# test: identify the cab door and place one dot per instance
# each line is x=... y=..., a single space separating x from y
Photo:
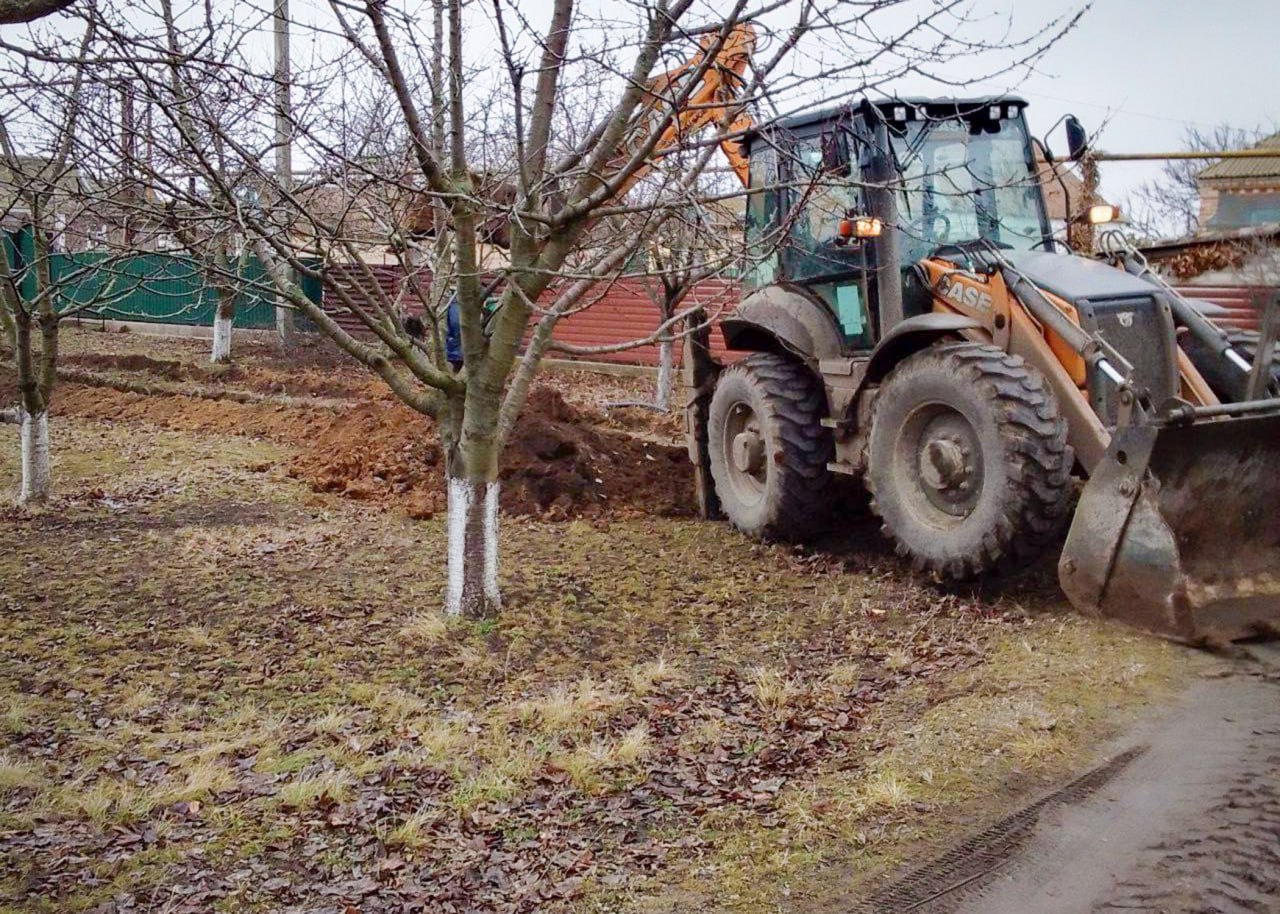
x=819 y=192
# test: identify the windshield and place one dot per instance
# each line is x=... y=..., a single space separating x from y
x=961 y=183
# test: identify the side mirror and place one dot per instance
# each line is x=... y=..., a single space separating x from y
x=1077 y=139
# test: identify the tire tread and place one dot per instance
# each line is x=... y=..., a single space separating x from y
x=1037 y=503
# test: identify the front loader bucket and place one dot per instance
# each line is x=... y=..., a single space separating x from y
x=1178 y=531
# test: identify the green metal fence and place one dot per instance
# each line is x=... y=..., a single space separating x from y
x=154 y=287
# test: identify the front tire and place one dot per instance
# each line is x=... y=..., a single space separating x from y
x=968 y=462
x=768 y=448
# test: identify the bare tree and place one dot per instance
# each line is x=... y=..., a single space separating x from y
x=1169 y=206
x=33 y=186
x=689 y=248
x=496 y=159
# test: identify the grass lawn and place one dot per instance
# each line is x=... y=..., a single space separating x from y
x=221 y=690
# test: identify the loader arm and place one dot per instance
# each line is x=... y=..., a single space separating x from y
x=674 y=109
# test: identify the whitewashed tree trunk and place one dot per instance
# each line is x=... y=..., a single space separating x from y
x=35 y=459
x=472 y=589
x=662 y=399
x=221 y=338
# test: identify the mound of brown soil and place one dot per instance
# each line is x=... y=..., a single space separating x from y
x=554 y=465
x=557 y=464
x=171 y=370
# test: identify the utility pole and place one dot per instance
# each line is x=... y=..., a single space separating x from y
x=284 y=142
x=129 y=149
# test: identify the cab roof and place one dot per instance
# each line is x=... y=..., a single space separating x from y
x=933 y=107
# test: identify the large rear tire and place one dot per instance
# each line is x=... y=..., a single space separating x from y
x=768 y=448
x=968 y=462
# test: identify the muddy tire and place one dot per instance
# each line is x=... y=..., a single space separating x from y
x=968 y=462
x=768 y=449
x=1226 y=381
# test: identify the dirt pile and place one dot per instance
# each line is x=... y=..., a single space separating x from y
x=555 y=464
x=298 y=378
x=562 y=461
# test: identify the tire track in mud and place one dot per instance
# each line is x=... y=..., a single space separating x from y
x=984 y=853
x=1229 y=864
x=1191 y=825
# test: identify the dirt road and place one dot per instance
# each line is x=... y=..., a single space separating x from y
x=1183 y=817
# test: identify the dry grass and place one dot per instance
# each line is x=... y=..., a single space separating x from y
x=202 y=779
x=886 y=790
x=568 y=708
x=500 y=779
x=845 y=675
x=409 y=833
x=393 y=705
x=587 y=763
x=16 y=715
x=93 y=802
x=143 y=700
x=707 y=733
x=898 y=660
x=197 y=637
x=773 y=689
x=330 y=723
x=16 y=775
x=634 y=746
x=306 y=668
x=1035 y=707
x=646 y=677
x=425 y=629
x=584 y=764
x=308 y=790
x=445 y=740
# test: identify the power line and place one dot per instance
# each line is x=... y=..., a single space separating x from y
x=1118 y=110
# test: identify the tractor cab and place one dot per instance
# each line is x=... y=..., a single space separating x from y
x=845 y=200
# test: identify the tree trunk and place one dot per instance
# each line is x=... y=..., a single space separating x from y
x=662 y=398
x=473 y=548
x=222 y=324
x=35 y=459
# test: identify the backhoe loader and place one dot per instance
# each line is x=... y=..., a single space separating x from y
x=909 y=319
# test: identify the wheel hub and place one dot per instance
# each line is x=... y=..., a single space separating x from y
x=744 y=449
x=748 y=452
x=949 y=463
x=943 y=464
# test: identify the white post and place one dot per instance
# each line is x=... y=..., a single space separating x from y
x=35 y=458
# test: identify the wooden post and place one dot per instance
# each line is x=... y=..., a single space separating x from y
x=700 y=372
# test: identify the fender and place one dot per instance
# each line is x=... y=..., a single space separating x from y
x=912 y=335
x=784 y=319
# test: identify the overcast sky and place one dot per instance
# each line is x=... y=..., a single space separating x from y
x=1150 y=67
x=1144 y=68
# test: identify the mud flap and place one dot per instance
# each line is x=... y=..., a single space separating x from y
x=1178 y=531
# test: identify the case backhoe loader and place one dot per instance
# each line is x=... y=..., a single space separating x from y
x=909 y=320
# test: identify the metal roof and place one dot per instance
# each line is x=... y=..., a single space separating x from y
x=1236 y=169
